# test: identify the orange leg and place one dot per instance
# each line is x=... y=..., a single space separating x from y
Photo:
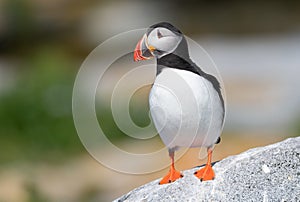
x=206 y=173
x=173 y=174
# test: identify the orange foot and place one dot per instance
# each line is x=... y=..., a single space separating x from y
x=172 y=176
x=206 y=173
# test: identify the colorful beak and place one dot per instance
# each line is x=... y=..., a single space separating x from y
x=142 y=50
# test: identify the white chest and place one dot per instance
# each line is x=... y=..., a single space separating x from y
x=185 y=108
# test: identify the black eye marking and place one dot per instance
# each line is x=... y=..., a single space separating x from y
x=159 y=35
x=158 y=52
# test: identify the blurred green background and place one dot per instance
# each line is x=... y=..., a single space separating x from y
x=43 y=43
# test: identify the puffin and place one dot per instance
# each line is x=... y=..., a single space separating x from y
x=186 y=103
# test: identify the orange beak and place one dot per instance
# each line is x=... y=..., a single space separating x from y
x=142 y=50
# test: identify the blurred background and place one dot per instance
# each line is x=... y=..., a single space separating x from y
x=255 y=45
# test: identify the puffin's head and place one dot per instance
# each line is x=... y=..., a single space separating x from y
x=161 y=39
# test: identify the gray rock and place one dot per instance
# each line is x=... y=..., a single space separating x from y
x=270 y=173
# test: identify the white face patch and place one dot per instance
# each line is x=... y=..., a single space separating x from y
x=164 y=40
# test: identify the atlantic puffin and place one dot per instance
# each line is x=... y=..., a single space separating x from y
x=186 y=103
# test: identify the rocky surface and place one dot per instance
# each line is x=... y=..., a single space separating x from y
x=270 y=173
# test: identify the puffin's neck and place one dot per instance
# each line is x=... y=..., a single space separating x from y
x=179 y=59
x=175 y=61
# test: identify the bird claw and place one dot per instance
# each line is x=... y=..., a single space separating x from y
x=172 y=176
x=206 y=173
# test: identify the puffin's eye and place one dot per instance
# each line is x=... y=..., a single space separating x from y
x=159 y=35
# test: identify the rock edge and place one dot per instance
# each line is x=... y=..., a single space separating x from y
x=270 y=173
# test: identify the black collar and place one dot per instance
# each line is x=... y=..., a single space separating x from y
x=174 y=61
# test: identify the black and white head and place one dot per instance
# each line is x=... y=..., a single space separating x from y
x=160 y=40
